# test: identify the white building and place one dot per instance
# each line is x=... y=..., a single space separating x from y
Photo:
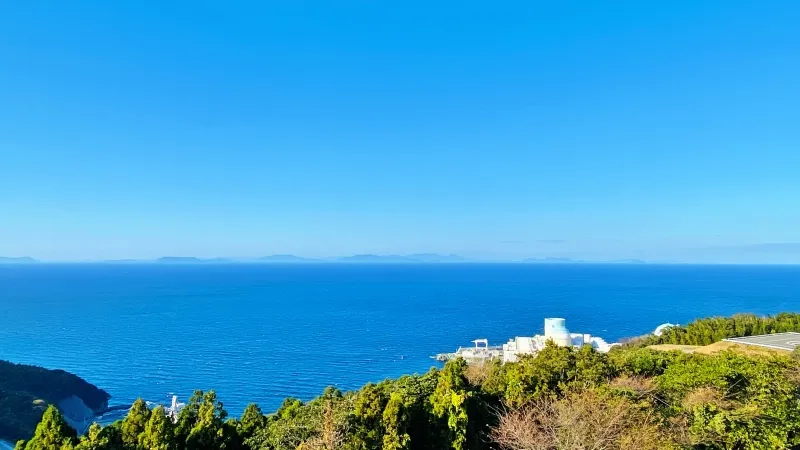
x=555 y=330
x=662 y=328
x=174 y=409
x=480 y=352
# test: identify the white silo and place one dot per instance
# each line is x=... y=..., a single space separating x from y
x=555 y=329
x=662 y=328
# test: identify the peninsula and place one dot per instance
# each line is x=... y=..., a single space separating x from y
x=26 y=391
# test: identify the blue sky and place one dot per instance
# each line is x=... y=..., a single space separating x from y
x=658 y=130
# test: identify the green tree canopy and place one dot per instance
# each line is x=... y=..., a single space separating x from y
x=134 y=424
x=159 y=432
x=562 y=398
x=52 y=433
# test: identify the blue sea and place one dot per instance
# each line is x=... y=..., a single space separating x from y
x=261 y=333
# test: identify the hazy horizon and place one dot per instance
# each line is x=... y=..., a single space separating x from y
x=786 y=253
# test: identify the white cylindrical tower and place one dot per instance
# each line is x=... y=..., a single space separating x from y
x=555 y=329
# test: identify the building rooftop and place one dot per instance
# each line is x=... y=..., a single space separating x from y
x=779 y=341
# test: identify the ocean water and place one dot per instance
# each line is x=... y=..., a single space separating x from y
x=261 y=333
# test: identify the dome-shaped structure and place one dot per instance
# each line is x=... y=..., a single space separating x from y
x=661 y=328
x=555 y=329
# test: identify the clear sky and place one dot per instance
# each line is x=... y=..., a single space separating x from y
x=658 y=130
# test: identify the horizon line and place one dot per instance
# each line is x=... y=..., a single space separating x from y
x=202 y=262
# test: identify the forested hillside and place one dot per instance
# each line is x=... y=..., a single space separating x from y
x=25 y=392
x=631 y=398
x=713 y=329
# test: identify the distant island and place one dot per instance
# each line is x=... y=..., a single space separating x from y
x=26 y=391
x=367 y=258
x=17 y=260
x=289 y=258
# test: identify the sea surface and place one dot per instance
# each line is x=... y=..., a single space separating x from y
x=260 y=333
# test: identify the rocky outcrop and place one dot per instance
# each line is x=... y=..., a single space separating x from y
x=25 y=392
x=76 y=413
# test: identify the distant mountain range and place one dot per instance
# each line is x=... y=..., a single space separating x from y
x=18 y=260
x=286 y=258
x=416 y=258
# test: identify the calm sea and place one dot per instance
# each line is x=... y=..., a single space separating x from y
x=264 y=332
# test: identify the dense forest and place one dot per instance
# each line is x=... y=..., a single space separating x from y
x=26 y=390
x=630 y=398
x=714 y=329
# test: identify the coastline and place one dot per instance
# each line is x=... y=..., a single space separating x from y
x=360 y=323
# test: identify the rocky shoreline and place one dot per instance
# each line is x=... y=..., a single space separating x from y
x=76 y=413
